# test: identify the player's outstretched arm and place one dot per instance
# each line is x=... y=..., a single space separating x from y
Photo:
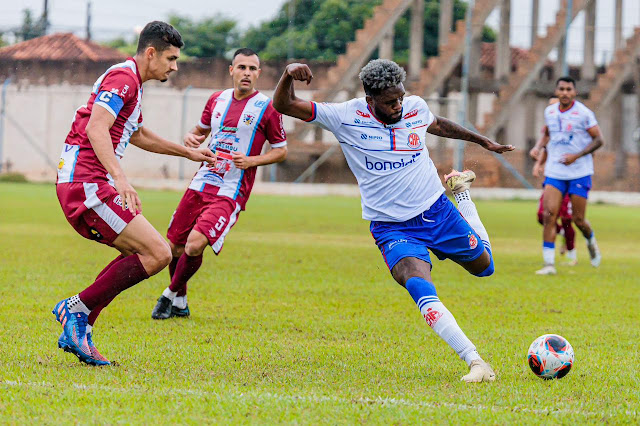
x=448 y=129
x=275 y=155
x=149 y=141
x=284 y=98
x=596 y=143
x=97 y=131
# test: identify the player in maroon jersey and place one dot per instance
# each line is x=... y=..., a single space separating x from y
x=94 y=193
x=240 y=120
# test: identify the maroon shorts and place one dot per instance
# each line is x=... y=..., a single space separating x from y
x=94 y=210
x=565 y=208
x=211 y=215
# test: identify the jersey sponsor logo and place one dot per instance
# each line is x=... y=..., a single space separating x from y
x=282 y=133
x=389 y=165
x=413 y=123
x=413 y=141
x=95 y=234
x=260 y=104
x=125 y=89
x=218 y=114
x=114 y=91
x=117 y=200
x=358 y=121
x=473 y=241
x=363 y=114
x=392 y=244
x=432 y=316
x=365 y=137
x=248 y=119
x=213 y=177
x=61 y=163
x=412 y=113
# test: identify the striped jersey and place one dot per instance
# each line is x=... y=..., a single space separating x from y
x=240 y=126
x=119 y=91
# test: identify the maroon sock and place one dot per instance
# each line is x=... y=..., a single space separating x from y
x=186 y=267
x=106 y=268
x=172 y=267
x=183 y=291
x=123 y=274
x=569 y=233
x=93 y=316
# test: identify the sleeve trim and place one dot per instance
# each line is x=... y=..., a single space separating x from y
x=203 y=126
x=313 y=113
x=279 y=144
x=107 y=107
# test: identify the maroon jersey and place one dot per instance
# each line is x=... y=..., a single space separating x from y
x=119 y=91
x=240 y=126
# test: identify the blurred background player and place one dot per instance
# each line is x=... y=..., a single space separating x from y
x=240 y=120
x=573 y=136
x=383 y=139
x=564 y=226
x=94 y=193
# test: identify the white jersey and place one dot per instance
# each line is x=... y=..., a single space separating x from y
x=391 y=163
x=568 y=135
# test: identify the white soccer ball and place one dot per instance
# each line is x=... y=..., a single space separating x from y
x=550 y=356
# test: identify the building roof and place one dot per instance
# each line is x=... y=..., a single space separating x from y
x=488 y=55
x=60 y=47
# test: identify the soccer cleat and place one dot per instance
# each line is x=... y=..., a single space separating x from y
x=479 y=371
x=547 y=270
x=179 y=312
x=63 y=344
x=594 y=253
x=74 y=327
x=572 y=258
x=459 y=181
x=162 y=309
x=96 y=357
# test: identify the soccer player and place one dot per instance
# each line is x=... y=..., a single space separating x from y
x=240 y=120
x=383 y=139
x=94 y=193
x=573 y=136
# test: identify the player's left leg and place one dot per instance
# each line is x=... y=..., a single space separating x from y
x=460 y=183
x=579 y=193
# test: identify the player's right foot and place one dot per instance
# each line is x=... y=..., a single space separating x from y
x=162 y=309
x=594 y=253
x=479 y=371
x=459 y=181
x=96 y=357
x=572 y=258
x=74 y=327
x=547 y=270
x=179 y=312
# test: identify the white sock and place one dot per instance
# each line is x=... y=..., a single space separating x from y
x=467 y=209
x=76 y=305
x=89 y=328
x=180 y=302
x=549 y=255
x=444 y=324
x=572 y=254
x=592 y=239
x=169 y=294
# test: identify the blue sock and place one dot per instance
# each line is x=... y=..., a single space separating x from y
x=421 y=290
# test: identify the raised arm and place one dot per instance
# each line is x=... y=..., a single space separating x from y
x=596 y=143
x=284 y=98
x=448 y=129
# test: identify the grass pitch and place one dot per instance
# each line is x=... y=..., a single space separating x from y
x=298 y=320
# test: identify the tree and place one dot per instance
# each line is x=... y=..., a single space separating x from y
x=30 y=28
x=120 y=43
x=210 y=37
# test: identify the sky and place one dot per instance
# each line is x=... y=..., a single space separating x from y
x=114 y=18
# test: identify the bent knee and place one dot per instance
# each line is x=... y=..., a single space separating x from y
x=160 y=256
x=488 y=270
x=196 y=244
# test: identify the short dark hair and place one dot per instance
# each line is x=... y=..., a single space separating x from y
x=566 y=79
x=244 y=51
x=159 y=35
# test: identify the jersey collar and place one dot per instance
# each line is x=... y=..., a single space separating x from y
x=137 y=70
x=378 y=120
x=565 y=110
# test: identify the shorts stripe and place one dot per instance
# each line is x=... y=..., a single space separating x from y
x=232 y=219
x=94 y=203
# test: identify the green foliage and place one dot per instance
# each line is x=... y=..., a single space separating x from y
x=299 y=321
x=126 y=47
x=30 y=28
x=207 y=38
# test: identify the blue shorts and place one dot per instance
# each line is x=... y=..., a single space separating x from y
x=579 y=187
x=441 y=229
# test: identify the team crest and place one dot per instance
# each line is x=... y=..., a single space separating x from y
x=248 y=119
x=432 y=316
x=473 y=241
x=61 y=164
x=414 y=141
x=260 y=104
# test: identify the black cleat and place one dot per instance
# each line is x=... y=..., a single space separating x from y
x=162 y=309
x=178 y=312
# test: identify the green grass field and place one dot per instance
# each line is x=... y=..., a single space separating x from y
x=298 y=321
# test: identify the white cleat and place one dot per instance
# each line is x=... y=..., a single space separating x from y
x=459 y=181
x=572 y=258
x=479 y=371
x=594 y=253
x=547 y=270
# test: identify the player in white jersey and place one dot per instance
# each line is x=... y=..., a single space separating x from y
x=383 y=139
x=573 y=136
